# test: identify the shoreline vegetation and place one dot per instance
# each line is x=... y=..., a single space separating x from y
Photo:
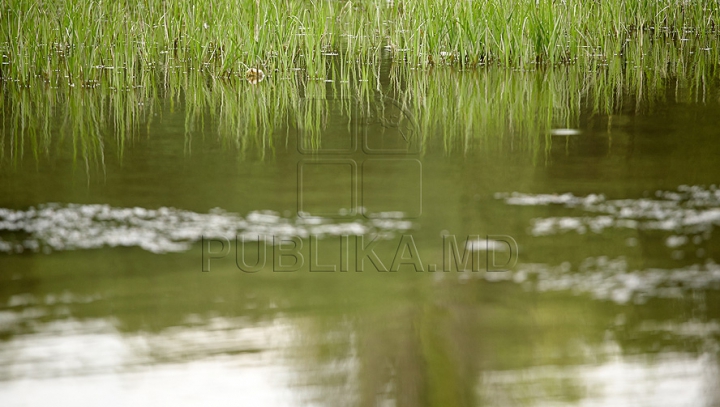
x=459 y=111
x=116 y=44
x=472 y=74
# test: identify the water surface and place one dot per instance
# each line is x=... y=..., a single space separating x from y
x=613 y=299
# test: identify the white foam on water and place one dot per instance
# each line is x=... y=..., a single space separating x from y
x=612 y=280
x=54 y=227
x=689 y=210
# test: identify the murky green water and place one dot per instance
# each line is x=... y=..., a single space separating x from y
x=611 y=297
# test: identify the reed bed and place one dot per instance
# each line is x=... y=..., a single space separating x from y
x=117 y=44
x=492 y=108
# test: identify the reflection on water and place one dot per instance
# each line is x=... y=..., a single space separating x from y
x=671 y=380
x=682 y=220
x=612 y=280
x=259 y=364
x=606 y=179
x=93 y=359
x=687 y=211
x=55 y=227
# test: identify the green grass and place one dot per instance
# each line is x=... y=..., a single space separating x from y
x=491 y=108
x=117 y=44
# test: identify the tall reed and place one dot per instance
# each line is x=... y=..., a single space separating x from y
x=88 y=43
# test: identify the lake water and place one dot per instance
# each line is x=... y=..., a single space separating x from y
x=131 y=223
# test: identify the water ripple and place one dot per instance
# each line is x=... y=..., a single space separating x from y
x=55 y=227
x=689 y=210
